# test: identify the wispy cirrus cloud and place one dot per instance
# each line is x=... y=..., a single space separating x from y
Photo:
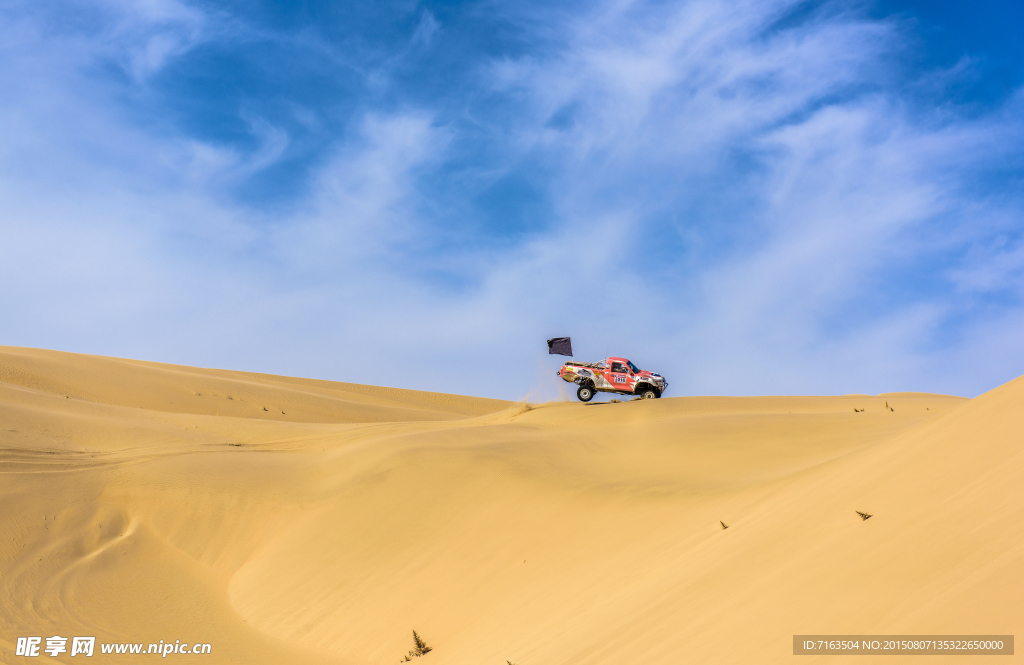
x=755 y=198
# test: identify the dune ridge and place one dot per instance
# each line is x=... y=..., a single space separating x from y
x=141 y=503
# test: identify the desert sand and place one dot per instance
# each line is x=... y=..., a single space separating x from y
x=289 y=520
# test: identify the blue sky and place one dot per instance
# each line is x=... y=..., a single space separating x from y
x=758 y=197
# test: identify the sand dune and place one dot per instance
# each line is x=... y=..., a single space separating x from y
x=288 y=520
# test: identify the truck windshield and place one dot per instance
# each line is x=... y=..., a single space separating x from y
x=633 y=367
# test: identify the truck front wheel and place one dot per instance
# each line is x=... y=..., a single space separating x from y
x=585 y=393
x=647 y=392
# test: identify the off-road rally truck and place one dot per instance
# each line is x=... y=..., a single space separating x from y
x=613 y=375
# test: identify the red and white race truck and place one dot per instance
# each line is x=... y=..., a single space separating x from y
x=613 y=375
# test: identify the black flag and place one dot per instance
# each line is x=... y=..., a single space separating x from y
x=560 y=345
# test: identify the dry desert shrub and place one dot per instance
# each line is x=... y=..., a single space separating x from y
x=421 y=648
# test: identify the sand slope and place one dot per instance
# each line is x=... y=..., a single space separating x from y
x=140 y=503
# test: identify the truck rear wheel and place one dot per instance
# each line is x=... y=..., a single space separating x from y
x=647 y=392
x=585 y=393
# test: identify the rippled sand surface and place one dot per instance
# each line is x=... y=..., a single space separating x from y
x=287 y=520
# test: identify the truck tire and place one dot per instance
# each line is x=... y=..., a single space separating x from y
x=585 y=393
x=648 y=392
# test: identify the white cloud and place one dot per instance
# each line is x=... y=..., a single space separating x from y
x=144 y=36
x=744 y=209
x=851 y=195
